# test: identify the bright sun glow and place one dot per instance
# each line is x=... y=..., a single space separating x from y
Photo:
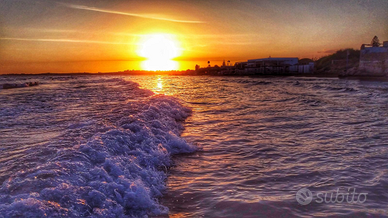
x=159 y=49
x=162 y=64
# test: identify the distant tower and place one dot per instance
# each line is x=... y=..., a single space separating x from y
x=208 y=63
x=375 y=42
x=228 y=62
x=197 y=67
x=223 y=63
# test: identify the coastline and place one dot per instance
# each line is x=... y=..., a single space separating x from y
x=174 y=73
x=352 y=74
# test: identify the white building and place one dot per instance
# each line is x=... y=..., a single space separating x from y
x=374 y=59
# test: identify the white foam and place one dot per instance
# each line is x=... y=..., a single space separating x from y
x=118 y=171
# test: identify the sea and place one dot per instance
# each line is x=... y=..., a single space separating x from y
x=193 y=146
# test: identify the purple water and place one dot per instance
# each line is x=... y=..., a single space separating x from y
x=86 y=146
x=192 y=146
x=264 y=139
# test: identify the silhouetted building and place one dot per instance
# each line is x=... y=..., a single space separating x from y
x=374 y=59
x=275 y=66
x=276 y=61
x=264 y=66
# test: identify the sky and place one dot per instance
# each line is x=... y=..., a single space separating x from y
x=39 y=36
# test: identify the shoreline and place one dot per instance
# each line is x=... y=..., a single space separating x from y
x=175 y=73
x=193 y=73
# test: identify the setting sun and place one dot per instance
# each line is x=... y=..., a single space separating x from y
x=179 y=108
x=159 y=49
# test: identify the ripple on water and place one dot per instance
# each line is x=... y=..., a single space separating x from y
x=264 y=139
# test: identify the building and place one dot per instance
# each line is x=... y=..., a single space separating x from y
x=264 y=66
x=276 y=66
x=276 y=61
x=374 y=60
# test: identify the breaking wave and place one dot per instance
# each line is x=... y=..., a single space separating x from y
x=119 y=170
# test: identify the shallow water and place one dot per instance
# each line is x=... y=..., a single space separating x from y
x=264 y=139
x=261 y=140
x=86 y=146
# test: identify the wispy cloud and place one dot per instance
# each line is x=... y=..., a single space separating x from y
x=154 y=17
x=66 y=40
x=219 y=36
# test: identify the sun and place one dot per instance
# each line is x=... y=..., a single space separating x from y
x=159 y=49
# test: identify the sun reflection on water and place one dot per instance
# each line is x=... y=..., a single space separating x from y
x=159 y=84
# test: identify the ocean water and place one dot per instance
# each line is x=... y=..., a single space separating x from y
x=86 y=146
x=194 y=147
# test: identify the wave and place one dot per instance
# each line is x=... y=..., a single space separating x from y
x=119 y=171
x=254 y=82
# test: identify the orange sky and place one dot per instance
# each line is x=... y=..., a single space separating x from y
x=72 y=36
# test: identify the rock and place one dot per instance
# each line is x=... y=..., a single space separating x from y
x=33 y=83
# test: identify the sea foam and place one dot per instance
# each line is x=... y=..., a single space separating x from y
x=119 y=171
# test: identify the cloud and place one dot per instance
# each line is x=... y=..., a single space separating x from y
x=65 y=40
x=154 y=17
x=219 y=36
x=51 y=30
